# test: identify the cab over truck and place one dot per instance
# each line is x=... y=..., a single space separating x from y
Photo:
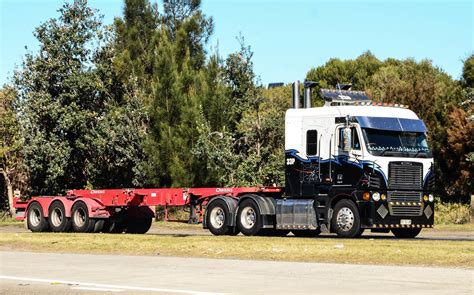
x=350 y=165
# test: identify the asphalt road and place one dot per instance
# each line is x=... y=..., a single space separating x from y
x=49 y=273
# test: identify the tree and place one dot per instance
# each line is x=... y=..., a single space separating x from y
x=11 y=168
x=60 y=101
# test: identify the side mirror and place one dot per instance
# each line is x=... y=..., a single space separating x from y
x=346 y=139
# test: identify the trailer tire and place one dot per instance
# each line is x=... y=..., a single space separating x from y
x=346 y=220
x=217 y=214
x=135 y=225
x=35 y=219
x=113 y=227
x=80 y=220
x=406 y=233
x=58 y=222
x=249 y=220
x=307 y=233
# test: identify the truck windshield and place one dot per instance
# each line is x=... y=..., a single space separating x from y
x=396 y=143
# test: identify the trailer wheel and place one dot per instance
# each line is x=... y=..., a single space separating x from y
x=58 y=222
x=406 y=233
x=113 y=227
x=217 y=214
x=81 y=222
x=306 y=233
x=138 y=225
x=35 y=219
x=346 y=221
x=249 y=219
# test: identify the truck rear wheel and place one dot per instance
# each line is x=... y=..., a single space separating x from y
x=58 y=222
x=81 y=222
x=406 y=233
x=217 y=215
x=35 y=219
x=249 y=220
x=346 y=220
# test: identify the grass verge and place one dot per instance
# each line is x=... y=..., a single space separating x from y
x=366 y=251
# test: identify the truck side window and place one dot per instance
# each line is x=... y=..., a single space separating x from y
x=311 y=142
x=355 y=139
x=355 y=144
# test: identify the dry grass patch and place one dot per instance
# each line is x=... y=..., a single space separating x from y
x=367 y=251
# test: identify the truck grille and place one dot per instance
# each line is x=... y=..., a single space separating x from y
x=405 y=175
x=396 y=196
x=404 y=203
x=405 y=210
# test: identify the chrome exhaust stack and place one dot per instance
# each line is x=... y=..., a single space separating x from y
x=296 y=95
x=307 y=93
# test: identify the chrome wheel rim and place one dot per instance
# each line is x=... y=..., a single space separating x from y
x=217 y=217
x=248 y=217
x=35 y=217
x=80 y=217
x=56 y=217
x=345 y=219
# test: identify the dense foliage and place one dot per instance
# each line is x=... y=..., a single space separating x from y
x=142 y=103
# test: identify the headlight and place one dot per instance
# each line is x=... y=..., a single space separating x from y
x=431 y=197
x=375 y=196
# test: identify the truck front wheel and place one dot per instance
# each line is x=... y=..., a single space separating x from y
x=406 y=233
x=249 y=220
x=346 y=220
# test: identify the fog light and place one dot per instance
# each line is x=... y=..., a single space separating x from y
x=366 y=196
x=425 y=198
x=383 y=197
x=430 y=198
x=376 y=196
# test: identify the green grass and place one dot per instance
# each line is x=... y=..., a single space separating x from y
x=362 y=251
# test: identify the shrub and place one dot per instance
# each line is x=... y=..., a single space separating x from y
x=452 y=213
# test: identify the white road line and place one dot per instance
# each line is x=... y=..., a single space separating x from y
x=108 y=286
x=97 y=289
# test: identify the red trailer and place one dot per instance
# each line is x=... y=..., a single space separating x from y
x=130 y=210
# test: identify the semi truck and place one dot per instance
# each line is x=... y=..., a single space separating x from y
x=350 y=165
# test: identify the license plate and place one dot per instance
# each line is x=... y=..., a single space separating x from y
x=405 y=221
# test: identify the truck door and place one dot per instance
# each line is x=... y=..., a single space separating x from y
x=347 y=169
x=310 y=176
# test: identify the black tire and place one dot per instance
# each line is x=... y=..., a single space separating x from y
x=406 y=233
x=35 y=219
x=138 y=225
x=217 y=218
x=113 y=227
x=99 y=225
x=307 y=233
x=348 y=225
x=58 y=222
x=80 y=220
x=249 y=220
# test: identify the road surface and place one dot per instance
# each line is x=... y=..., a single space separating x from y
x=49 y=273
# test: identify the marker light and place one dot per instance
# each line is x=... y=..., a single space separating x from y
x=383 y=197
x=376 y=196
x=431 y=197
x=425 y=198
x=366 y=196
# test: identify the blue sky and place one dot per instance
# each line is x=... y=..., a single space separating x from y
x=290 y=37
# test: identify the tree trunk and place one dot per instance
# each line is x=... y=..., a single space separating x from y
x=8 y=184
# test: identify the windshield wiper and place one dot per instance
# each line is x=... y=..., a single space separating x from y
x=385 y=150
x=421 y=152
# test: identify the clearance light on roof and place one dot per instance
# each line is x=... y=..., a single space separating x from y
x=383 y=104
